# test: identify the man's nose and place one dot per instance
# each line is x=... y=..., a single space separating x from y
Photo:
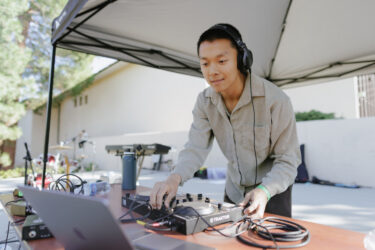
x=212 y=69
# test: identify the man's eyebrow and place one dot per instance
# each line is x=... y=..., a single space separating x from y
x=219 y=55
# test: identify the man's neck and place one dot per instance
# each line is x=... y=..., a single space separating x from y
x=232 y=96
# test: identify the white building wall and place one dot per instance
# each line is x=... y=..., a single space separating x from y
x=26 y=124
x=338 y=97
x=341 y=151
x=33 y=132
x=175 y=140
x=134 y=99
x=124 y=99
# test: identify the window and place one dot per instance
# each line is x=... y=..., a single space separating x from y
x=86 y=99
x=366 y=95
x=75 y=101
x=80 y=101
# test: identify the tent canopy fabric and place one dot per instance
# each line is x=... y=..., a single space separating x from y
x=293 y=42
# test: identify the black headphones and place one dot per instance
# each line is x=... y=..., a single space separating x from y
x=245 y=56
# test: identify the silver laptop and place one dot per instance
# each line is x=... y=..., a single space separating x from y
x=80 y=222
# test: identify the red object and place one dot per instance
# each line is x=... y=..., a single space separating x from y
x=38 y=181
x=51 y=159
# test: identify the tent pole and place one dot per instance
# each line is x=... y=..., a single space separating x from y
x=48 y=114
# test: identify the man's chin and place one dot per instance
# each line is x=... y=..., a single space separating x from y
x=216 y=88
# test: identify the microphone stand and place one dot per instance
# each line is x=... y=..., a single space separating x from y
x=27 y=159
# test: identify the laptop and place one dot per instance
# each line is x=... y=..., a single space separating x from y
x=81 y=222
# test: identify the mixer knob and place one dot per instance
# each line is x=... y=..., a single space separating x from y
x=188 y=195
x=219 y=205
x=200 y=197
x=207 y=200
x=190 y=199
x=177 y=202
x=184 y=200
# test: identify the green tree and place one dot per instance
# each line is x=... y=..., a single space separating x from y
x=25 y=54
x=13 y=60
x=313 y=115
x=70 y=68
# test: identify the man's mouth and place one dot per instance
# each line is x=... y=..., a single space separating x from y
x=216 y=82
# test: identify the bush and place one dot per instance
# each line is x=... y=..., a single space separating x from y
x=12 y=173
x=313 y=115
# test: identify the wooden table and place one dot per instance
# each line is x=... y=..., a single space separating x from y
x=322 y=237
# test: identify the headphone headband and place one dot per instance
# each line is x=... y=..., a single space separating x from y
x=247 y=57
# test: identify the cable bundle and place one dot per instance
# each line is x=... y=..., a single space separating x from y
x=287 y=231
x=65 y=183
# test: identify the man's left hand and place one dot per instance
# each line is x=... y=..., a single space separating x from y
x=258 y=201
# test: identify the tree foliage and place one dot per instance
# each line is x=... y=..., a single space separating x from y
x=70 y=67
x=313 y=115
x=25 y=54
x=13 y=60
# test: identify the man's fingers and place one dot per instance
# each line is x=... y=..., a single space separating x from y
x=252 y=208
x=245 y=200
x=159 y=196
x=168 y=199
x=153 y=194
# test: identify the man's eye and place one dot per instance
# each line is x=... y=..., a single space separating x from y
x=222 y=61
x=204 y=64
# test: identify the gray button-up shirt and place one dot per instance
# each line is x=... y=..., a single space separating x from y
x=276 y=142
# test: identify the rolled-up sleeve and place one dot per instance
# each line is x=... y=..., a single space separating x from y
x=199 y=144
x=284 y=148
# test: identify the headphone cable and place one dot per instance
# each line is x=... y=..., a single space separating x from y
x=255 y=152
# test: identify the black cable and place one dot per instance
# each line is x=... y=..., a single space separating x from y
x=64 y=179
x=255 y=151
x=6 y=238
x=292 y=232
x=157 y=227
x=130 y=212
x=9 y=241
x=14 y=201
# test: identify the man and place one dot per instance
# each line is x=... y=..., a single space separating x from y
x=254 y=125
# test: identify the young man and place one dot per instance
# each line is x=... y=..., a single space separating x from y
x=253 y=123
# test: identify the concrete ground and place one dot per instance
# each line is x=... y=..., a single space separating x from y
x=351 y=209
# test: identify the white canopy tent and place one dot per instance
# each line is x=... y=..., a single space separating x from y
x=293 y=42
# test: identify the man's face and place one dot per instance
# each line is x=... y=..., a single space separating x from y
x=218 y=60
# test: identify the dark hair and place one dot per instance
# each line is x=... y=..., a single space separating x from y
x=214 y=33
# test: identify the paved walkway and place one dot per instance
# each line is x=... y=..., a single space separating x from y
x=351 y=209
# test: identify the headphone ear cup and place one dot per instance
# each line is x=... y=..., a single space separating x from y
x=249 y=58
x=240 y=65
x=244 y=60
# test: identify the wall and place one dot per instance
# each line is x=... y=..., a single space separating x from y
x=341 y=151
x=123 y=99
x=338 y=97
x=33 y=132
x=131 y=100
x=175 y=140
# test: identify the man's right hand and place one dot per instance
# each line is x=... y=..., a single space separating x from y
x=168 y=187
